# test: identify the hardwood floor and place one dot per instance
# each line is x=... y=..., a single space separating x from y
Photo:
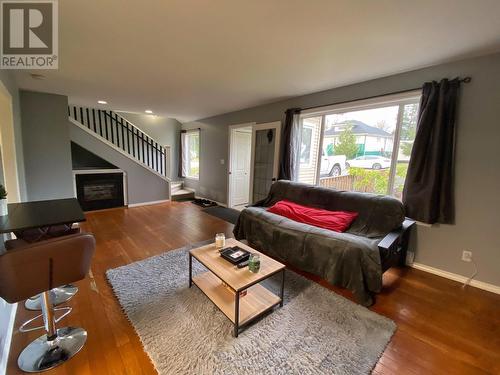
x=442 y=328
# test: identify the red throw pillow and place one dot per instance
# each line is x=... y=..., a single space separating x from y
x=338 y=221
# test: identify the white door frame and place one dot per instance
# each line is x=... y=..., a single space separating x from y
x=268 y=125
x=230 y=140
x=8 y=143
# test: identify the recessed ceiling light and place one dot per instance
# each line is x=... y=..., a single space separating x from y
x=148 y=111
x=102 y=102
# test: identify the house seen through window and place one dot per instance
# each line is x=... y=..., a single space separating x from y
x=360 y=146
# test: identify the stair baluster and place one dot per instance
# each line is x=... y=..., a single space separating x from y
x=123 y=134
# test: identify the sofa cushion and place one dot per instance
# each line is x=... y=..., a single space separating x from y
x=377 y=214
x=343 y=259
x=338 y=221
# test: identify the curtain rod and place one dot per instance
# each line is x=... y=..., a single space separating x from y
x=463 y=80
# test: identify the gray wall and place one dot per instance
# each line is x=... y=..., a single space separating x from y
x=213 y=149
x=477 y=170
x=143 y=185
x=8 y=81
x=46 y=145
x=163 y=129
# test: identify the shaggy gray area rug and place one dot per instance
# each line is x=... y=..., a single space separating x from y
x=315 y=332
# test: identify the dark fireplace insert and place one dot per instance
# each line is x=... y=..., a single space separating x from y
x=97 y=191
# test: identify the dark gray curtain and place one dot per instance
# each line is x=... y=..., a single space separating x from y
x=428 y=193
x=181 y=153
x=290 y=146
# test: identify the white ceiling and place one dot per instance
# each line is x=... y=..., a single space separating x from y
x=192 y=59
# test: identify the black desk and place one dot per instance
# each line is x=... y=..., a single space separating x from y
x=38 y=214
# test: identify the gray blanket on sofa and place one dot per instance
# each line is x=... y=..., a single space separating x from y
x=350 y=260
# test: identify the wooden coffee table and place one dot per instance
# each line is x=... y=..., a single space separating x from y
x=241 y=310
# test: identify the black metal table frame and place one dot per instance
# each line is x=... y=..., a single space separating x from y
x=238 y=326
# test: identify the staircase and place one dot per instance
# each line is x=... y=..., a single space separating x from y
x=179 y=193
x=126 y=138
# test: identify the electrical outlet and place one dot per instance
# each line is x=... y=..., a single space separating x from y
x=467 y=256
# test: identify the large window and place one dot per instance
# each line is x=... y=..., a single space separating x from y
x=191 y=154
x=360 y=146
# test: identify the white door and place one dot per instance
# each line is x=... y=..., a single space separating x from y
x=240 y=167
x=239 y=174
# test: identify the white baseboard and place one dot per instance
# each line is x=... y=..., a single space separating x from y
x=6 y=348
x=219 y=203
x=456 y=277
x=148 y=203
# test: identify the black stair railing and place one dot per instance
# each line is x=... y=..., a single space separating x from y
x=121 y=133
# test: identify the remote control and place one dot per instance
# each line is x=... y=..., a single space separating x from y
x=242 y=264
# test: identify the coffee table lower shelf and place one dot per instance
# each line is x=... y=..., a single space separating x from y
x=257 y=300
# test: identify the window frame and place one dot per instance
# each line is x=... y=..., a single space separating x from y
x=400 y=100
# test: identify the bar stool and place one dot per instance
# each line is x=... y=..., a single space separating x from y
x=58 y=295
x=38 y=268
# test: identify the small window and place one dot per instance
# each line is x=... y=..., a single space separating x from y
x=191 y=154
